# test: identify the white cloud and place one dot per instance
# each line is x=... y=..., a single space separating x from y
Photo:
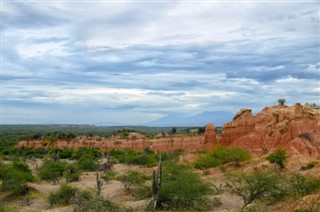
x=155 y=58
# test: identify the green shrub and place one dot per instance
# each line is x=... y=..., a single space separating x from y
x=181 y=189
x=99 y=205
x=15 y=177
x=255 y=186
x=66 y=153
x=171 y=155
x=301 y=186
x=237 y=155
x=108 y=175
x=51 y=171
x=142 y=192
x=4 y=208
x=310 y=165
x=63 y=196
x=133 y=178
x=220 y=156
x=86 y=152
x=278 y=158
x=147 y=158
x=10 y=151
x=72 y=173
x=88 y=163
x=205 y=162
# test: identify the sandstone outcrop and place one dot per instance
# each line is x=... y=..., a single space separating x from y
x=295 y=129
x=137 y=142
x=210 y=134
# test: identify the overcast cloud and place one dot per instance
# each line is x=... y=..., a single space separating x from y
x=134 y=62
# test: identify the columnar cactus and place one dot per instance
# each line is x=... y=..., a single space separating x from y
x=99 y=184
x=156 y=184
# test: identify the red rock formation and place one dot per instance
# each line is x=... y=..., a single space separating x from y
x=242 y=124
x=210 y=134
x=295 y=129
x=169 y=143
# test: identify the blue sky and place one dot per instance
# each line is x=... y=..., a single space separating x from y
x=134 y=62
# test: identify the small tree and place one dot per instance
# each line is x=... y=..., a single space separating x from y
x=281 y=101
x=173 y=130
x=182 y=189
x=237 y=155
x=278 y=158
x=254 y=186
x=132 y=178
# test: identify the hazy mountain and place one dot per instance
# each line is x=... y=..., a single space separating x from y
x=201 y=119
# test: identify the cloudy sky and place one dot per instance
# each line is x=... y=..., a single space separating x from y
x=134 y=62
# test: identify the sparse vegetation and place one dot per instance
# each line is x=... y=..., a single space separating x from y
x=312 y=105
x=182 y=189
x=254 y=186
x=133 y=178
x=310 y=165
x=108 y=175
x=300 y=185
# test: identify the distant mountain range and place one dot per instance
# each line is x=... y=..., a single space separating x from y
x=201 y=119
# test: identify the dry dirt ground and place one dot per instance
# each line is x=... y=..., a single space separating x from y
x=115 y=191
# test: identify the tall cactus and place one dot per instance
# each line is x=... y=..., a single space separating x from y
x=99 y=184
x=156 y=183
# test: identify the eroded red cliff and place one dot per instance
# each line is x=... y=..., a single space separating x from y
x=295 y=129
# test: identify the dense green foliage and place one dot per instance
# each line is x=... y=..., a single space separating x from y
x=222 y=155
x=51 y=170
x=278 y=158
x=146 y=158
x=85 y=151
x=182 y=189
x=15 y=177
x=88 y=163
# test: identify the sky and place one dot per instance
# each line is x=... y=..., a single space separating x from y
x=132 y=62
